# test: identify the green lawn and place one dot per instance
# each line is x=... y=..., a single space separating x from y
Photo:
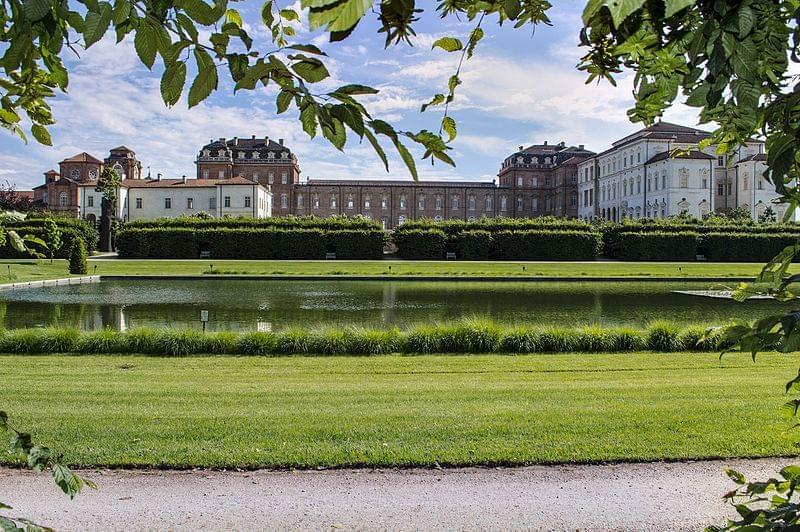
x=31 y=270
x=318 y=411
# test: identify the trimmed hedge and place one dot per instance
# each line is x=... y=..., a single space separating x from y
x=288 y=222
x=427 y=244
x=658 y=246
x=249 y=243
x=730 y=247
x=545 y=245
x=454 y=227
x=471 y=336
x=71 y=228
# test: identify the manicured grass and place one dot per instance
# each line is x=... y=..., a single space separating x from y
x=347 y=411
x=31 y=270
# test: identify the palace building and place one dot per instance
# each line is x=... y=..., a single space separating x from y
x=656 y=172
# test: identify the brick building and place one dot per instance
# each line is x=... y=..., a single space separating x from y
x=534 y=181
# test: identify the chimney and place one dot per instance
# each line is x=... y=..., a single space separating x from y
x=545 y=143
x=235 y=141
x=252 y=137
x=280 y=141
x=580 y=146
x=222 y=140
x=562 y=143
x=158 y=176
x=520 y=148
x=183 y=179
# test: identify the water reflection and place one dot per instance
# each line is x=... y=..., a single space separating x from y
x=274 y=305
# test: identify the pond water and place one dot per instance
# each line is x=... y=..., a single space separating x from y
x=274 y=305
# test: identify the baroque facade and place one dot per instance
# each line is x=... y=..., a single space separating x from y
x=658 y=172
x=655 y=172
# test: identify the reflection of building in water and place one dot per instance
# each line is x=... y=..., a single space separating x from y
x=263 y=326
x=389 y=300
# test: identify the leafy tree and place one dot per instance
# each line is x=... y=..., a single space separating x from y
x=52 y=237
x=78 y=263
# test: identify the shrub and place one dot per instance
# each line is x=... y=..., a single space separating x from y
x=256 y=343
x=545 y=245
x=745 y=247
x=78 y=263
x=249 y=242
x=657 y=246
x=471 y=245
x=421 y=244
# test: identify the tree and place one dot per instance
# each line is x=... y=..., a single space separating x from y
x=768 y=216
x=107 y=184
x=52 y=237
x=78 y=263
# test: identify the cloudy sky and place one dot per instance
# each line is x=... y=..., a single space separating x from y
x=520 y=88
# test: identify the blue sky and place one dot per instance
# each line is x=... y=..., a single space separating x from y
x=520 y=88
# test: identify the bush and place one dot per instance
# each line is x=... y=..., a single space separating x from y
x=657 y=246
x=332 y=223
x=545 y=245
x=70 y=228
x=421 y=244
x=250 y=243
x=78 y=263
x=744 y=247
x=664 y=337
x=471 y=245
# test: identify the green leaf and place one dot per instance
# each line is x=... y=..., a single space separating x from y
x=21 y=441
x=172 y=82
x=202 y=12
x=232 y=16
x=310 y=48
x=448 y=44
x=377 y=147
x=311 y=71
x=266 y=14
x=96 y=23
x=673 y=6
x=791 y=472
x=335 y=133
x=35 y=9
x=57 y=70
x=735 y=476
x=338 y=16
x=289 y=14
x=474 y=37
x=38 y=458
x=619 y=9
x=449 y=127
x=41 y=134
x=308 y=117
x=405 y=155
x=512 y=8
x=356 y=89
x=69 y=482
x=206 y=81
x=146 y=44
x=438 y=99
x=283 y=100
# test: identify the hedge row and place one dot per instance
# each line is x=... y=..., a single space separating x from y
x=288 y=222
x=249 y=243
x=715 y=247
x=71 y=228
x=434 y=244
x=493 y=225
x=469 y=337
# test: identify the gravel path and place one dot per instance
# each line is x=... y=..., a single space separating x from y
x=656 y=496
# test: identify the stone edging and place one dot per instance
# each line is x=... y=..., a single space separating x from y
x=51 y=282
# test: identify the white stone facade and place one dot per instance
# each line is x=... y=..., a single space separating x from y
x=146 y=199
x=658 y=172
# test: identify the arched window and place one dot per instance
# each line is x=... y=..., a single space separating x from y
x=403 y=202
x=299 y=200
x=421 y=201
x=315 y=201
x=284 y=201
x=62 y=199
x=487 y=203
x=350 y=202
x=471 y=202
x=367 y=202
x=503 y=203
x=456 y=201
x=333 y=201
x=384 y=202
x=438 y=202
x=401 y=219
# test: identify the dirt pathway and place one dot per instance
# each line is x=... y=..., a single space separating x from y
x=657 y=496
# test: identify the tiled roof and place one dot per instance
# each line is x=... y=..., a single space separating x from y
x=82 y=157
x=246 y=144
x=397 y=183
x=756 y=157
x=51 y=171
x=122 y=148
x=692 y=154
x=179 y=183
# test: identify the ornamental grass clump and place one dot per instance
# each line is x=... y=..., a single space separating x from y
x=699 y=338
x=664 y=337
x=553 y=340
x=256 y=343
x=103 y=341
x=475 y=335
x=35 y=341
x=293 y=342
x=520 y=339
x=179 y=342
x=221 y=343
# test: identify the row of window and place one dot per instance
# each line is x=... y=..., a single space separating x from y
x=243 y=155
x=212 y=203
x=270 y=176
